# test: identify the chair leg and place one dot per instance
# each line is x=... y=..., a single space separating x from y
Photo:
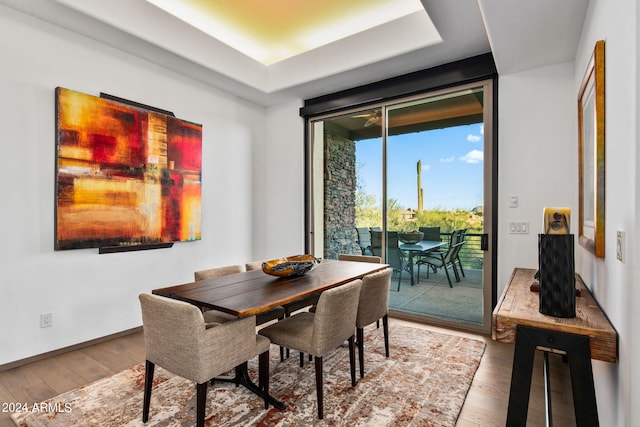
x=352 y=360
x=263 y=376
x=446 y=270
x=281 y=354
x=201 y=401
x=455 y=271
x=385 y=326
x=148 y=385
x=301 y=359
x=460 y=265
x=319 y=380
x=399 y=279
x=360 y=343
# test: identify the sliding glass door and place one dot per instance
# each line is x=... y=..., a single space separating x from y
x=415 y=168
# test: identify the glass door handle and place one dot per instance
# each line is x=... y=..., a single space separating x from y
x=484 y=242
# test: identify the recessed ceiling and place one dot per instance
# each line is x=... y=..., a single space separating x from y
x=270 y=31
x=521 y=34
x=154 y=34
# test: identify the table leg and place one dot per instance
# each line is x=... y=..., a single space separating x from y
x=520 y=379
x=547 y=390
x=413 y=280
x=242 y=378
x=579 y=358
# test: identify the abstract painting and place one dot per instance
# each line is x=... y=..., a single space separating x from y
x=125 y=175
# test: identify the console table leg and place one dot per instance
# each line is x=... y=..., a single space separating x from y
x=578 y=354
x=547 y=390
x=584 y=394
x=521 y=379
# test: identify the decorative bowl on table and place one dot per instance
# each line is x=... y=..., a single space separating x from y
x=296 y=265
x=411 y=238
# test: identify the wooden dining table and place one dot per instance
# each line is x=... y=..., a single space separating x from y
x=254 y=292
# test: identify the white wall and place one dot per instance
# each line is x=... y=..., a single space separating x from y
x=614 y=283
x=95 y=295
x=253 y=186
x=538 y=162
x=279 y=189
x=537 y=158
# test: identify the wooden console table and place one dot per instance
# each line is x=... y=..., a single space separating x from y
x=516 y=318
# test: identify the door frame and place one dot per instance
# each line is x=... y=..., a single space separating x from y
x=453 y=76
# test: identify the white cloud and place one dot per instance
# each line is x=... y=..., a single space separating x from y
x=473 y=138
x=426 y=167
x=447 y=159
x=473 y=157
x=482 y=129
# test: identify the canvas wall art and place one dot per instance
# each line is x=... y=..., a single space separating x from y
x=125 y=175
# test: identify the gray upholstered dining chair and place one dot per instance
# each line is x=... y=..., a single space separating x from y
x=317 y=333
x=360 y=258
x=210 y=273
x=254 y=265
x=287 y=309
x=217 y=272
x=219 y=316
x=177 y=338
x=348 y=257
x=373 y=306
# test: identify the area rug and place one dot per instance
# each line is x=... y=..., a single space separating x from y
x=424 y=382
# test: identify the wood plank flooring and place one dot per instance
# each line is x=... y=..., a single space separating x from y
x=486 y=403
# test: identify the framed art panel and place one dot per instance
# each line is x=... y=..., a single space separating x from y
x=591 y=147
x=125 y=175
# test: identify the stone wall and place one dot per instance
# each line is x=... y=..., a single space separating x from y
x=339 y=196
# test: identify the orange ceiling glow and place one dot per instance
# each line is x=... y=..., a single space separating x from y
x=270 y=31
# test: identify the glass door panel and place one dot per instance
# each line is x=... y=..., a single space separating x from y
x=419 y=164
x=434 y=155
x=347 y=191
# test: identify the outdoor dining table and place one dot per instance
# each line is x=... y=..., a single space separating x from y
x=421 y=247
x=253 y=292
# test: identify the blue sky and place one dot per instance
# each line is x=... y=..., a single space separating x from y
x=452 y=167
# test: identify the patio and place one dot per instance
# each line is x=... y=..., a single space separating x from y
x=434 y=297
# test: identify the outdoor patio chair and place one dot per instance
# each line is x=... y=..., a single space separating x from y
x=442 y=260
x=394 y=254
x=364 y=240
x=460 y=236
x=430 y=233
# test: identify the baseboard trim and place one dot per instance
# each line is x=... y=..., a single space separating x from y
x=63 y=350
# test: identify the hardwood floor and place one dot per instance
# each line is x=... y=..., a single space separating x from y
x=486 y=403
x=488 y=397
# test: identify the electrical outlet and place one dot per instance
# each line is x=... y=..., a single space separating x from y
x=46 y=320
x=620 y=246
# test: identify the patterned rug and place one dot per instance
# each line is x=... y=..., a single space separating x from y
x=423 y=383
